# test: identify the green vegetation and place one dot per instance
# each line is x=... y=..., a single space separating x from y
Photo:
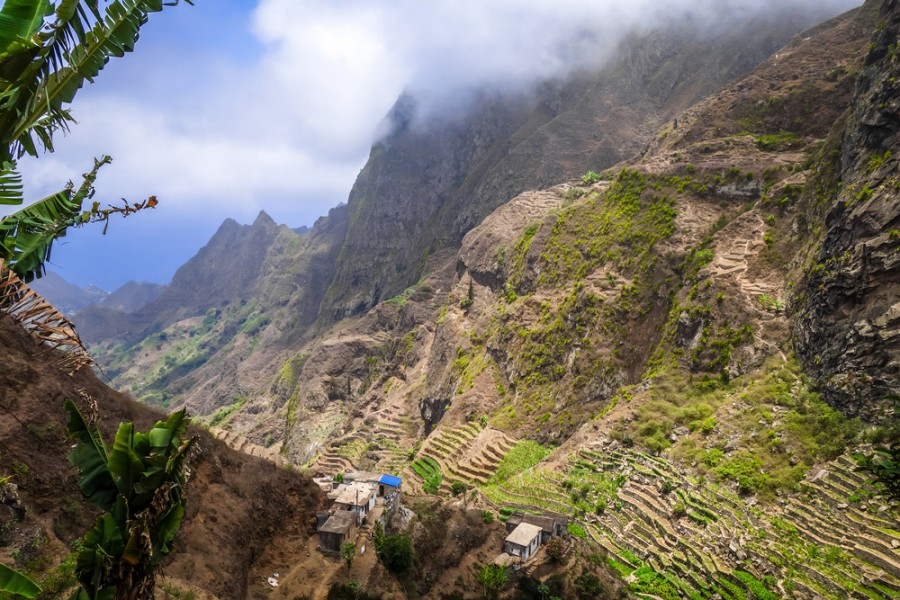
x=877 y=160
x=523 y=245
x=419 y=290
x=396 y=553
x=123 y=549
x=755 y=586
x=17 y=584
x=778 y=142
x=522 y=456
x=348 y=553
x=576 y=530
x=430 y=472
x=221 y=416
x=883 y=464
x=769 y=303
x=619 y=227
x=492 y=579
x=775 y=452
x=590 y=177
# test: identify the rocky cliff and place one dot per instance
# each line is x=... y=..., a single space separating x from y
x=847 y=330
x=429 y=182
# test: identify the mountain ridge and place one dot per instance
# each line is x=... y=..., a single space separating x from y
x=638 y=347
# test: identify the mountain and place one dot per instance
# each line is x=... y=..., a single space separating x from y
x=427 y=183
x=658 y=299
x=132 y=296
x=67 y=297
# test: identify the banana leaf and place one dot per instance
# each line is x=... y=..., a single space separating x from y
x=20 y=20
x=16 y=583
x=91 y=459
x=124 y=464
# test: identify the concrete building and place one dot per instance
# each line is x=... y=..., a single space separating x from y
x=551 y=525
x=523 y=541
x=357 y=497
x=339 y=529
x=388 y=485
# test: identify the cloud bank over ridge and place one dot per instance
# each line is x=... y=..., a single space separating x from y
x=225 y=110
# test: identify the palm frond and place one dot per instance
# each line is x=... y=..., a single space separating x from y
x=27 y=236
x=43 y=63
x=10 y=185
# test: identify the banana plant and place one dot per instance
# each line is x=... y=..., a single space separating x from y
x=48 y=51
x=139 y=482
x=17 y=584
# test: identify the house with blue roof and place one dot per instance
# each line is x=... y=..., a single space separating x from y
x=388 y=484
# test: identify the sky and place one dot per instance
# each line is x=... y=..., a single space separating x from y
x=230 y=107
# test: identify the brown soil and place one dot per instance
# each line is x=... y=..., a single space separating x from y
x=246 y=517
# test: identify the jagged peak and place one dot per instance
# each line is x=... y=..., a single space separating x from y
x=263 y=219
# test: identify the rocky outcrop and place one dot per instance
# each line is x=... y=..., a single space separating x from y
x=847 y=326
x=428 y=182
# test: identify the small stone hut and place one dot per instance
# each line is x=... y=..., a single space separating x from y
x=337 y=530
x=523 y=541
x=551 y=525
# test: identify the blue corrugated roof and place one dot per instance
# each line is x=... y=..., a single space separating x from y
x=390 y=480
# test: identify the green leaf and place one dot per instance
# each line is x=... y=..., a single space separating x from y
x=20 y=20
x=27 y=236
x=16 y=583
x=10 y=185
x=102 y=545
x=90 y=457
x=124 y=464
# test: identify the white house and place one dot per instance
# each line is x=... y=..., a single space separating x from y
x=523 y=541
x=358 y=497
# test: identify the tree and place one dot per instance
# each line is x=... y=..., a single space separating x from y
x=492 y=579
x=348 y=552
x=396 y=553
x=556 y=549
x=139 y=482
x=48 y=50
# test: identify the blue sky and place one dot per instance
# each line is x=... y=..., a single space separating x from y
x=230 y=107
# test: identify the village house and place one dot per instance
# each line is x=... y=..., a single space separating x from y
x=338 y=529
x=357 y=497
x=388 y=485
x=523 y=542
x=551 y=525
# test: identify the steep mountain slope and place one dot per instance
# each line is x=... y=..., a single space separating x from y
x=67 y=297
x=639 y=325
x=427 y=183
x=243 y=514
x=655 y=350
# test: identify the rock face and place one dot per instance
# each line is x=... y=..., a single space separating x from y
x=847 y=327
x=428 y=183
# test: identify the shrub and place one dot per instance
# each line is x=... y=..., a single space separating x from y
x=556 y=549
x=588 y=586
x=590 y=177
x=457 y=488
x=396 y=554
x=349 y=591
